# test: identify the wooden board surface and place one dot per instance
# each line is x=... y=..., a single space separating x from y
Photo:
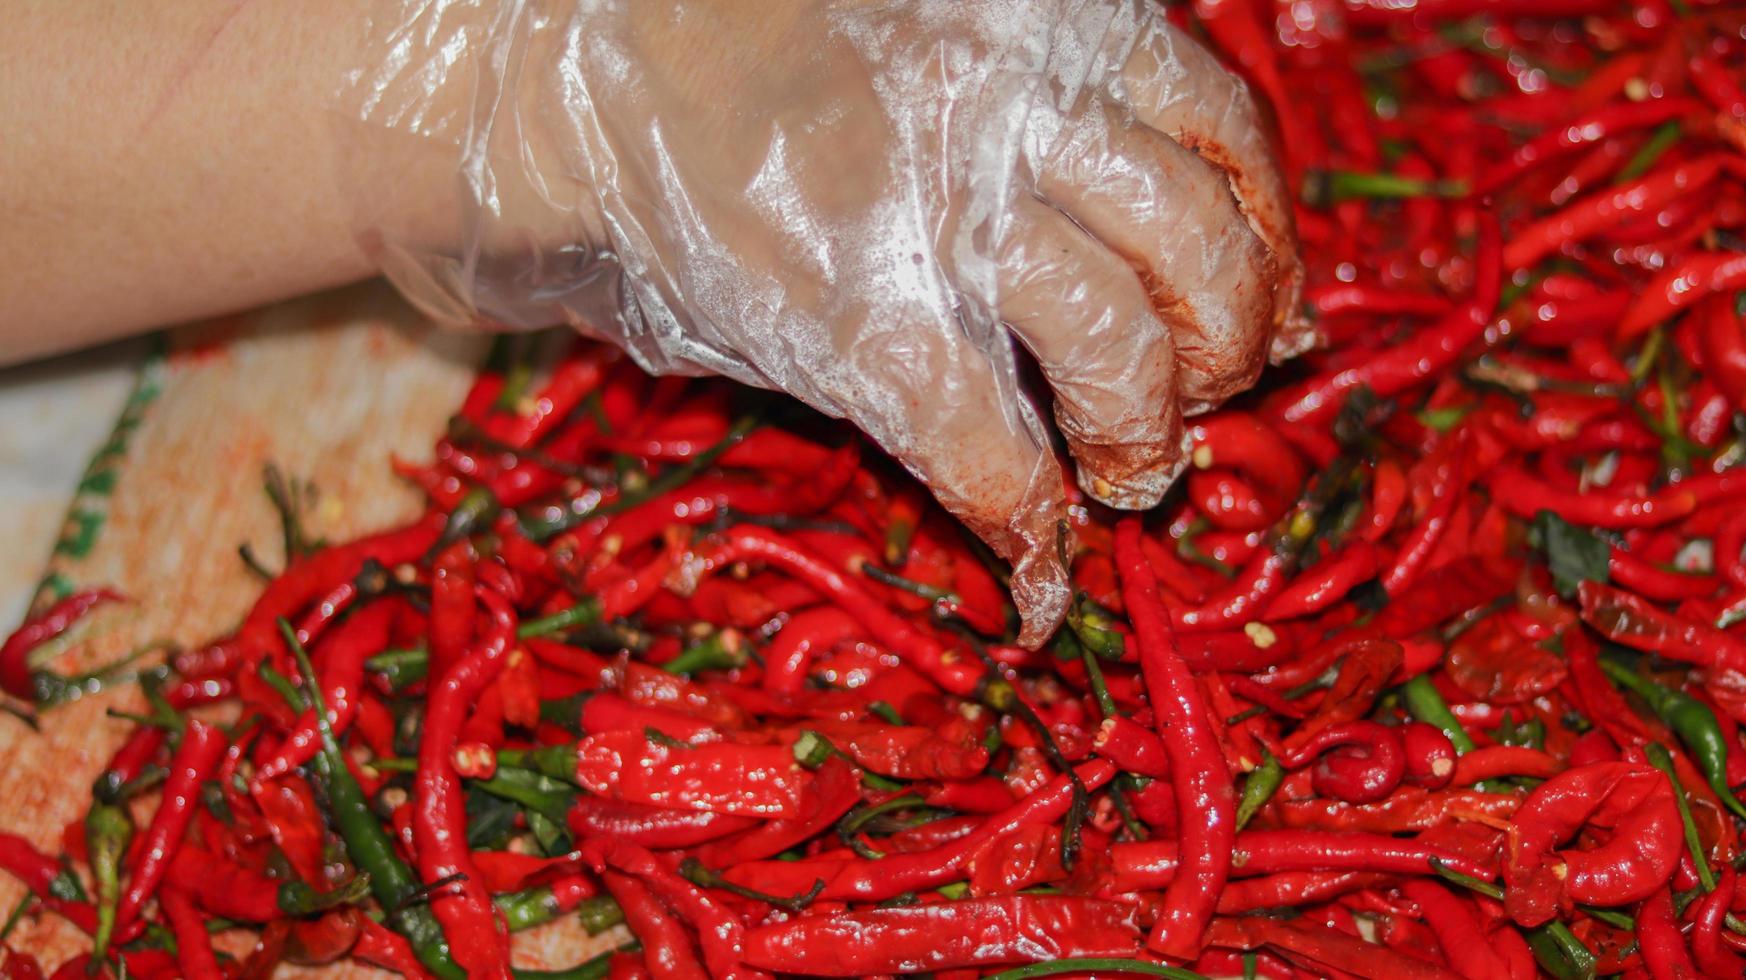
x=326 y=388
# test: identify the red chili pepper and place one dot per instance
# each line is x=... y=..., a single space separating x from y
x=1494 y=761
x=1198 y=773
x=453 y=610
x=1712 y=955
x=572 y=381
x=651 y=826
x=314 y=576
x=40 y=873
x=1589 y=216
x=918 y=938
x=1660 y=941
x=668 y=948
x=1698 y=276
x=1524 y=495
x=1458 y=930
x=1332 y=299
x=1359 y=761
x=952 y=670
x=15 y=669
x=1630 y=620
x=909 y=751
x=341 y=662
x=1328 y=581
x=379 y=946
x=1323 y=947
x=870 y=880
x=1636 y=801
x=195 y=760
x=1592 y=127
x=193 y=945
x=743 y=780
x=1447 y=478
x=1426 y=354
x=1148 y=865
x=719 y=932
x=475 y=935
x=1133 y=747
x=1716 y=85
x=1430 y=756
x=836 y=788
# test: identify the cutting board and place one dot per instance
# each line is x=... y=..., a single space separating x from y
x=327 y=388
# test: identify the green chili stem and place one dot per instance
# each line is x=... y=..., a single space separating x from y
x=583 y=613
x=1467 y=881
x=1666 y=135
x=1333 y=186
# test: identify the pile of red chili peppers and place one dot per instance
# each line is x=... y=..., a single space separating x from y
x=1431 y=666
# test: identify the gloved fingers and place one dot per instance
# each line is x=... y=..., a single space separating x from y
x=1171 y=214
x=1084 y=314
x=1178 y=88
x=916 y=382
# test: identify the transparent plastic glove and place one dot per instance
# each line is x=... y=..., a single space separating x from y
x=871 y=206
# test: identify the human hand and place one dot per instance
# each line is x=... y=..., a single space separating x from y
x=865 y=205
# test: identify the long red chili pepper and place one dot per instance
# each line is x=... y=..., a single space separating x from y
x=976 y=932
x=477 y=938
x=1699 y=276
x=1202 y=783
x=195 y=760
x=193 y=946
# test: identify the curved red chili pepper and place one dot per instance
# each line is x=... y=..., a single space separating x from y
x=651 y=826
x=15 y=653
x=1635 y=800
x=719 y=931
x=1148 y=865
x=1632 y=621
x=1359 y=761
x=1327 y=582
x=1584 y=130
x=1707 y=948
x=312 y=577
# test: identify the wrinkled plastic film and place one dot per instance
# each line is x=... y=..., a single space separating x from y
x=869 y=206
